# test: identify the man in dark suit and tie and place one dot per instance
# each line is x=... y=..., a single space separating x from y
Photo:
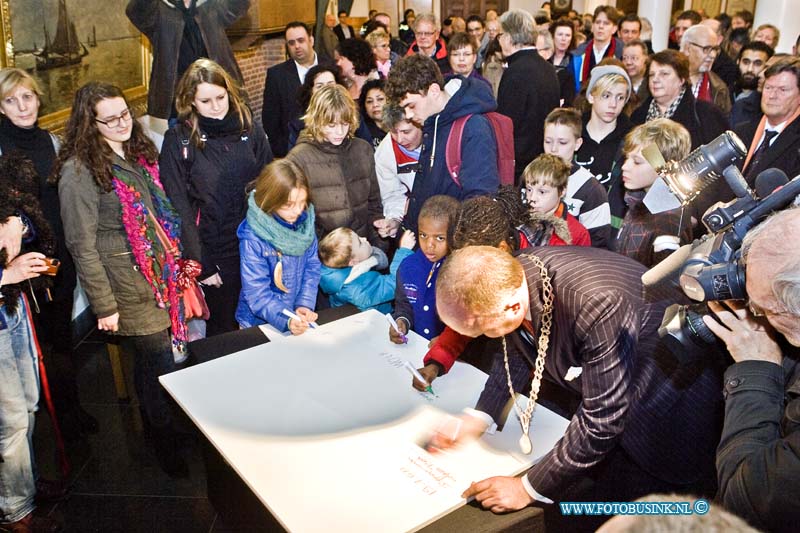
x=283 y=81
x=774 y=141
x=343 y=30
x=646 y=421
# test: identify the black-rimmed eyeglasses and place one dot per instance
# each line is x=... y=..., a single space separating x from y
x=114 y=122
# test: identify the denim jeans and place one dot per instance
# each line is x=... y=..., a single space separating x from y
x=19 y=395
x=152 y=358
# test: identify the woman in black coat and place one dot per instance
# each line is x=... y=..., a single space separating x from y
x=21 y=136
x=671 y=97
x=206 y=162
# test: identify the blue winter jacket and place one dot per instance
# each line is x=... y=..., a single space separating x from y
x=261 y=301
x=415 y=295
x=367 y=291
x=478 y=175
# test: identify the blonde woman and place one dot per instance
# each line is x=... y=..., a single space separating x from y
x=340 y=167
x=207 y=160
x=385 y=58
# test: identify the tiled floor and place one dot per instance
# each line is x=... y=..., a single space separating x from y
x=116 y=482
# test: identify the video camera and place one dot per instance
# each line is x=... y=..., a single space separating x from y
x=710 y=268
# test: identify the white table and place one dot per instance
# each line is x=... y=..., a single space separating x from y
x=328 y=421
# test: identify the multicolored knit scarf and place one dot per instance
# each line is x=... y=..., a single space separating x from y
x=158 y=265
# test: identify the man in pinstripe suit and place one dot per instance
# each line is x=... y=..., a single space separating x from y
x=645 y=422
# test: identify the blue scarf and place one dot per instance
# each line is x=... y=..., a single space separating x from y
x=285 y=240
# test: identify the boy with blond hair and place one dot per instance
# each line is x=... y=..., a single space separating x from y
x=347 y=275
x=646 y=237
x=585 y=198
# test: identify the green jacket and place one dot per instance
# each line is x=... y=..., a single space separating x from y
x=96 y=238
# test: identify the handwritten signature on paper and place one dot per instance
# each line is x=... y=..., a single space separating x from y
x=427 y=476
x=398 y=362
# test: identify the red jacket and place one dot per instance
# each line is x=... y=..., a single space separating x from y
x=450 y=344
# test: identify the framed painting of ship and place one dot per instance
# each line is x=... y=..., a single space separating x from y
x=66 y=43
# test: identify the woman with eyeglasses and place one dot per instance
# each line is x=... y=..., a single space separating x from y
x=124 y=236
x=462 y=53
x=385 y=58
x=207 y=160
x=20 y=135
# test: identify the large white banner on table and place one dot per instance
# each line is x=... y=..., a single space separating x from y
x=325 y=428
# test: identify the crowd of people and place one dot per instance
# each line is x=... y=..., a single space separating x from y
x=482 y=179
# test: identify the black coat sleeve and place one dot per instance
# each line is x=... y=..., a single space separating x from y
x=758 y=464
x=271 y=112
x=174 y=170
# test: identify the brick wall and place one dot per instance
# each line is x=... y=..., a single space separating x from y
x=254 y=62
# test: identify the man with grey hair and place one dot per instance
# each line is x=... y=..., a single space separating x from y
x=700 y=44
x=529 y=88
x=758 y=458
x=429 y=41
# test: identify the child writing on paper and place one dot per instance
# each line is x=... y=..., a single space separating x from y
x=415 y=295
x=278 y=248
x=347 y=277
x=551 y=224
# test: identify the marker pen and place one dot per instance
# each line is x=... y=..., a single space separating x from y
x=417 y=375
x=288 y=313
x=391 y=320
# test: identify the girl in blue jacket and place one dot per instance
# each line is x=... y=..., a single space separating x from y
x=278 y=247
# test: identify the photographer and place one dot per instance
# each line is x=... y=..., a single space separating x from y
x=758 y=458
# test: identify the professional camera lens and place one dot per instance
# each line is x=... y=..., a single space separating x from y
x=684 y=332
x=701 y=281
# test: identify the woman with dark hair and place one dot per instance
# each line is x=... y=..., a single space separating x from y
x=357 y=64
x=735 y=41
x=671 y=97
x=20 y=135
x=124 y=236
x=371 y=103
x=462 y=53
x=26 y=241
x=207 y=160
x=492 y=68
x=563 y=32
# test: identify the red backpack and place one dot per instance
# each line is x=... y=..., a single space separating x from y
x=504 y=137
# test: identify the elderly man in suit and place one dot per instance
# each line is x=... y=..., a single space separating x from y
x=529 y=88
x=774 y=141
x=645 y=422
x=283 y=81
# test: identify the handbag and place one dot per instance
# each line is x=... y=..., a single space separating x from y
x=194 y=301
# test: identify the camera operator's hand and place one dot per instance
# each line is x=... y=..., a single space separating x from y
x=747 y=338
